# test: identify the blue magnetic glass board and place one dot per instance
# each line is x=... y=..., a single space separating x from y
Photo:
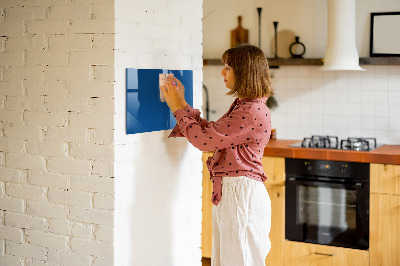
x=144 y=110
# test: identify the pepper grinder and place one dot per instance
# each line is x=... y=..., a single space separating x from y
x=276 y=38
x=259 y=26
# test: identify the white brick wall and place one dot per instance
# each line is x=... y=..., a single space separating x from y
x=56 y=132
x=156 y=178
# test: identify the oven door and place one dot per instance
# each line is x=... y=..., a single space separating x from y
x=327 y=213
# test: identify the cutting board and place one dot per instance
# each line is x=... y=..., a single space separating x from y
x=239 y=35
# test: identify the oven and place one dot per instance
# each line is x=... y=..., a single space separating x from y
x=327 y=202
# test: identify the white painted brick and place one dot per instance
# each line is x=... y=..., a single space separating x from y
x=104 y=73
x=96 y=105
x=60 y=227
x=12 y=145
x=21 y=43
x=12 y=204
x=46 y=88
x=66 y=73
x=25 y=103
x=45 y=2
x=105 y=260
x=2 y=222
x=71 y=42
x=68 y=258
x=97 y=57
x=46 y=58
x=69 y=197
x=48 y=179
x=45 y=27
x=74 y=135
x=103 y=41
x=91 y=89
x=103 y=202
x=102 y=136
x=91 y=26
x=46 y=240
x=25 y=221
x=11 y=260
x=95 y=216
x=12 y=28
x=10 y=174
x=104 y=11
x=32 y=262
x=3 y=44
x=46 y=118
x=25 y=250
x=2 y=158
x=69 y=166
x=56 y=103
x=82 y=230
x=26 y=191
x=91 y=247
x=24 y=132
x=24 y=73
x=11 y=88
x=11 y=117
x=24 y=13
x=46 y=148
x=105 y=233
x=11 y=59
x=92 y=151
x=25 y=161
x=69 y=12
x=93 y=184
x=12 y=234
x=104 y=169
x=99 y=120
x=46 y=209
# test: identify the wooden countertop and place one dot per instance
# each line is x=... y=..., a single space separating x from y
x=389 y=154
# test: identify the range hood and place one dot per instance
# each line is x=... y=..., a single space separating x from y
x=341 y=51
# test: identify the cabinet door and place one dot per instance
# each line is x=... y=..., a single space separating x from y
x=385 y=178
x=304 y=254
x=277 y=233
x=274 y=168
x=384 y=229
x=206 y=226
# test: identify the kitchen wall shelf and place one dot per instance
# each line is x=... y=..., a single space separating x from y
x=275 y=63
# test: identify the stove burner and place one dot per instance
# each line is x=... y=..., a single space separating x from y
x=358 y=144
x=328 y=142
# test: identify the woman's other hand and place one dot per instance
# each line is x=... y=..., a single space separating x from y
x=181 y=90
x=172 y=95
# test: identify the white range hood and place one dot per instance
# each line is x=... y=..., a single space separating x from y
x=341 y=51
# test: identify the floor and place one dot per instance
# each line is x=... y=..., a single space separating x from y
x=206 y=261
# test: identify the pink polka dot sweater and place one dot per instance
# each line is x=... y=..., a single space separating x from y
x=238 y=139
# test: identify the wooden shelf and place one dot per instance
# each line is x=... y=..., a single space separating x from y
x=274 y=63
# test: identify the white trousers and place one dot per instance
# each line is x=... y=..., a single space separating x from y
x=241 y=223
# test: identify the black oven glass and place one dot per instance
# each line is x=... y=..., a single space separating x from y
x=327 y=203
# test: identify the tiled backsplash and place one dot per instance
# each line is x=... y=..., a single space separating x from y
x=314 y=102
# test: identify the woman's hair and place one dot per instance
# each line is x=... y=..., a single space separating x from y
x=250 y=66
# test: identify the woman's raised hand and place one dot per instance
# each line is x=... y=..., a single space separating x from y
x=172 y=90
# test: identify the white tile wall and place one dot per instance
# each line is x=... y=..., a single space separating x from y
x=312 y=102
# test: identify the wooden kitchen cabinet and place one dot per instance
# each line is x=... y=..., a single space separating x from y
x=305 y=254
x=384 y=237
x=274 y=168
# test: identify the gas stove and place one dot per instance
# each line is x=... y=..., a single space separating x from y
x=332 y=142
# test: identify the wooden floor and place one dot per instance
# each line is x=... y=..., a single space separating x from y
x=206 y=261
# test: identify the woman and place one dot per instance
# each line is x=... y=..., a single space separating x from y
x=242 y=208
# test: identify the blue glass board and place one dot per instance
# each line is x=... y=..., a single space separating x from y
x=145 y=112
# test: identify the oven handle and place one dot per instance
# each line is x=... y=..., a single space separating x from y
x=357 y=185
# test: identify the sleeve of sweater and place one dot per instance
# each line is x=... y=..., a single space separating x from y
x=234 y=129
x=193 y=113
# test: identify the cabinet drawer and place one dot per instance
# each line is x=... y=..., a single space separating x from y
x=274 y=168
x=305 y=254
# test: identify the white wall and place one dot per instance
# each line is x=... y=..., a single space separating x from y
x=158 y=180
x=311 y=102
x=56 y=132
x=305 y=18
